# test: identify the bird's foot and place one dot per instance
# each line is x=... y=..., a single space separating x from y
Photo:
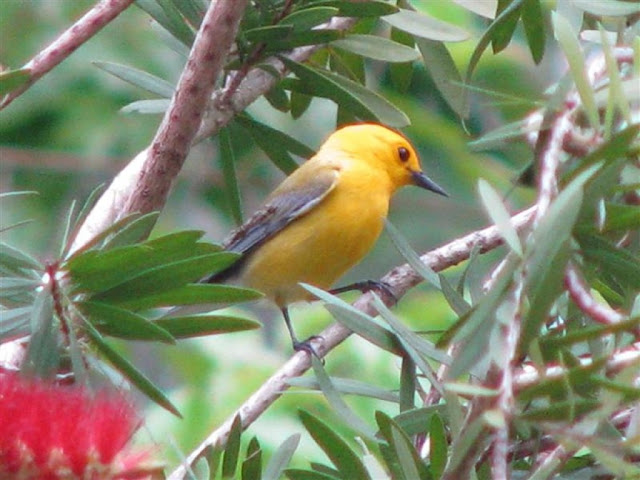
x=306 y=346
x=367 y=285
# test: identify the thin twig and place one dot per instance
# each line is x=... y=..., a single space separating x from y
x=144 y=184
x=581 y=296
x=63 y=46
x=134 y=188
x=400 y=280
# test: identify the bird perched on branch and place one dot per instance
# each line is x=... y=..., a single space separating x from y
x=324 y=217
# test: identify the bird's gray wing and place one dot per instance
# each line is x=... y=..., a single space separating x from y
x=285 y=205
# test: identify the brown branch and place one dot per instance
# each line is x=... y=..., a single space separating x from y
x=400 y=280
x=81 y=31
x=135 y=188
x=144 y=184
x=581 y=296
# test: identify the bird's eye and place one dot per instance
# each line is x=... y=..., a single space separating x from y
x=403 y=153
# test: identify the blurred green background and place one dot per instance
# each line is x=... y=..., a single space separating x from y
x=65 y=136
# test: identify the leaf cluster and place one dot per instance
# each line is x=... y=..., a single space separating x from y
x=118 y=286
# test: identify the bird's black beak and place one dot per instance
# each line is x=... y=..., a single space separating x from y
x=422 y=181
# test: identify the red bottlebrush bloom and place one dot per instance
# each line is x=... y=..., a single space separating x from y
x=52 y=432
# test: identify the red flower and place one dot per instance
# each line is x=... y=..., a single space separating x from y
x=53 y=432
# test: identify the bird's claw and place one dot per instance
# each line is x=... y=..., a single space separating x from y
x=306 y=346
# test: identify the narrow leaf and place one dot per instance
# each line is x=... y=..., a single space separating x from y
x=139 y=78
x=424 y=26
x=377 y=48
x=12 y=79
x=341 y=454
x=499 y=215
x=126 y=368
x=232 y=450
x=575 y=57
x=281 y=458
x=118 y=322
x=338 y=404
x=201 y=325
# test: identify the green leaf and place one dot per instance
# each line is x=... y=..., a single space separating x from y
x=298 y=474
x=410 y=255
x=472 y=435
x=338 y=405
x=281 y=458
x=621 y=217
x=505 y=25
x=42 y=358
x=102 y=237
x=475 y=329
x=10 y=286
x=163 y=278
x=121 y=323
x=555 y=227
x=192 y=10
x=147 y=107
x=299 y=104
x=568 y=41
x=533 y=21
x=411 y=342
x=267 y=33
x=275 y=144
x=102 y=270
x=438 y=446
x=166 y=14
x=310 y=37
x=194 y=294
x=13 y=258
x=402 y=74
x=201 y=325
x=228 y=164
x=348 y=386
x=278 y=99
x=423 y=26
x=252 y=464
x=306 y=18
x=357 y=321
x=377 y=48
x=487 y=37
x=410 y=465
x=139 y=78
x=499 y=216
x=12 y=79
x=416 y=421
x=341 y=454
x=232 y=450
x=611 y=259
x=126 y=368
x=136 y=230
x=14 y=323
x=444 y=73
x=407 y=384
x=348 y=8
x=348 y=94
x=615 y=148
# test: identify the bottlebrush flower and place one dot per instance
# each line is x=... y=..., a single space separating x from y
x=52 y=432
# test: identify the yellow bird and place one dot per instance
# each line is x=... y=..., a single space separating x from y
x=324 y=217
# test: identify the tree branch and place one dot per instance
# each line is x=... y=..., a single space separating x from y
x=144 y=184
x=81 y=31
x=400 y=280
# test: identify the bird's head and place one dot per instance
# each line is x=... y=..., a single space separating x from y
x=383 y=148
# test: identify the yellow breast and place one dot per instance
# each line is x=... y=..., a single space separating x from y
x=319 y=247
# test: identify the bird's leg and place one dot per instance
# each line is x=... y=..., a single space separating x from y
x=365 y=286
x=297 y=344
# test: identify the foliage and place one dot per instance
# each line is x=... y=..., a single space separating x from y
x=537 y=375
